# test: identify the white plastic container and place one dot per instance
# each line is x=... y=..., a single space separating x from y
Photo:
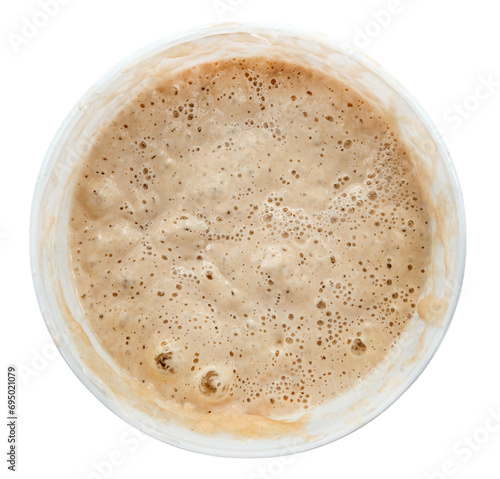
x=49 y=227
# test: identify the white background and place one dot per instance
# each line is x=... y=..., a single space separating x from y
x=442 y=51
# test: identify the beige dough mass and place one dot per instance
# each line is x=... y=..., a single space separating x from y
x=249 y=235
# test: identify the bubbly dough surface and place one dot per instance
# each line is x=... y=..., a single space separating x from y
x=248 y=235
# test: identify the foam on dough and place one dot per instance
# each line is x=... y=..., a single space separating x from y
x=248 y=235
